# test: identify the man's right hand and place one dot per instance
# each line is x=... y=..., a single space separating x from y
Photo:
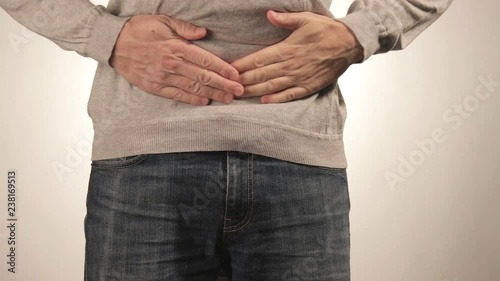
x=153 y=53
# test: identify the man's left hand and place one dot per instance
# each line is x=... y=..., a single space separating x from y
x=318 y=51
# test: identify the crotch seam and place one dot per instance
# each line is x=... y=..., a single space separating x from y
x=250 y=199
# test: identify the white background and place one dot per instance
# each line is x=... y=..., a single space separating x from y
x=440 y=222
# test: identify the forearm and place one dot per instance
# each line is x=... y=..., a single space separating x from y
x=384 y=25
x=76 y=25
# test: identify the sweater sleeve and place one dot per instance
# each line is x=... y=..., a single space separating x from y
x=384 y=25
x=75 y=25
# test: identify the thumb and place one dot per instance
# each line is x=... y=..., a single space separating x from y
x=184 y=29
x=290 y=21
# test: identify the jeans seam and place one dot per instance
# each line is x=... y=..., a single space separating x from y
x=227 y=191
x=250 y=200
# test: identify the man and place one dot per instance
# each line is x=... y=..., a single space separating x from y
x=218 y=130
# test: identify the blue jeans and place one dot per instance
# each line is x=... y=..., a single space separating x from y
x=184 y=216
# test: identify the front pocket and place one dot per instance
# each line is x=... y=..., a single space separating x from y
x=120 y=162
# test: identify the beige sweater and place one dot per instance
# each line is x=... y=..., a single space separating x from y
x=128 y=121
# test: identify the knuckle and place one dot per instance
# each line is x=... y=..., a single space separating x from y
x=171 y=47
x=258 y=61
x=291 y=66
x=161 y=75
x=272 y=85
x=287 y=52
x=291 y=95
x=179 y=49
x=260 y=75
x=171 y=64
x=186 y=27
x=162 y=92
x=176 y=95
x=194 y=87
x=206 y=61
x=204 y=77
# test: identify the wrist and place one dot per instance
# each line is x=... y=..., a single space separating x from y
x=353 y=46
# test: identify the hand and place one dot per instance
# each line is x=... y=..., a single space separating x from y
x=153 y=53
x=314 y=56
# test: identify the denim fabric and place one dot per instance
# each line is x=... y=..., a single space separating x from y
x=184 y=216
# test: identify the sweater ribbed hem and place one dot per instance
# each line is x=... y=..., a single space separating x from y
x=222 y=134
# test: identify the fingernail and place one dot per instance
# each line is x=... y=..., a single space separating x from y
x=238 y=90
x=228 y=98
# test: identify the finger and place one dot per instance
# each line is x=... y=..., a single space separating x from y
x=267 y=56
x=182 y=96
x=263 y=74
x=155 y=80
x=196 y=88
x=268 y=87
x=285 y=96
x=204 y=59
x=204 y=76
x=184 y=29
x=292 y=21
